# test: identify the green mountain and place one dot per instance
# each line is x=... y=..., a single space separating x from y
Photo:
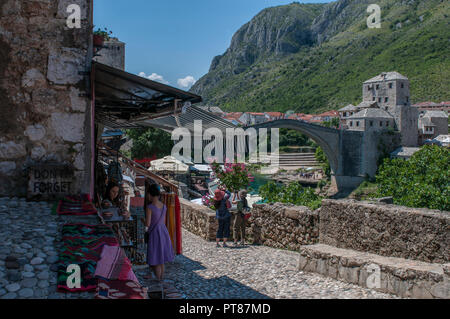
x=314 y=57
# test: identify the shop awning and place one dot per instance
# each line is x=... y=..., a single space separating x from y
x=124 y=100
x=186 y=119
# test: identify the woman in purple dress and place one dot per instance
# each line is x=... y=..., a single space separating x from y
x=159 y=246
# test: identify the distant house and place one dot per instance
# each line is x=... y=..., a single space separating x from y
x=306 y=117
x=432 y=106
x=328 y=116
x=252 y=118
x=272 y=116
x=213 y=109
x=441 y=140
x=432 y=124
x=233 y=118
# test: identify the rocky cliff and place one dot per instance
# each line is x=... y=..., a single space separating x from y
x=309 y=57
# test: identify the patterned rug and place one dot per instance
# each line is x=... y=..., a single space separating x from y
x=80 y=205
x=120 y=289
x=82 y=246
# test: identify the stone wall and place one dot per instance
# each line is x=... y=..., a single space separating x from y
x=277 y=225
x=282 y=226
x=45 y=113
x=386 y=230
x=112 y=54
x=198 y=219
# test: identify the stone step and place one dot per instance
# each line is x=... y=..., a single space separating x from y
x=402 y=277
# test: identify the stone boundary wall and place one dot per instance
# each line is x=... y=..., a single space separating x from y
x=403 y=277
x=386 y=230
x=277 y=225
x=282 y=226
x=198 y=219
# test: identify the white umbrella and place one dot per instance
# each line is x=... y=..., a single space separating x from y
x=168 y=164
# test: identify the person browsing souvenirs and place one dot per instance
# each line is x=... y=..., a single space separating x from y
x=159 y=245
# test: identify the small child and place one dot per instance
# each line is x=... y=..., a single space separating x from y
x=239 y=221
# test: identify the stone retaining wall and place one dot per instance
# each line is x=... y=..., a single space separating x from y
x=276 y=225
x=198 y=219
x=387 y=230
x=403 y=277
x=282 y=226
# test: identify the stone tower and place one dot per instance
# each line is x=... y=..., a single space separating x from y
x=391 y=92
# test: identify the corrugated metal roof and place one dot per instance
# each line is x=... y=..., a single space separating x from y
x=122 y=99
x=187 y=119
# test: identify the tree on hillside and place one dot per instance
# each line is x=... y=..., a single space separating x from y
x=150 y=142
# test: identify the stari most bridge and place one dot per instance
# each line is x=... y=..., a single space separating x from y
x=344 y=149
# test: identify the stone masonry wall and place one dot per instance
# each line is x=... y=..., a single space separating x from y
x=198 y=219
x=43 y=96
x=386 y=230
x=278 y=226
x=282 y=226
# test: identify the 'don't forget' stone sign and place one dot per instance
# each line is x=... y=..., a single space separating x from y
x=50 y=181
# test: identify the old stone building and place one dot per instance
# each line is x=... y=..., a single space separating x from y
x=44 y=91
x=370 y=119
x=390 y=90
x=56 y=99
x=386 y=104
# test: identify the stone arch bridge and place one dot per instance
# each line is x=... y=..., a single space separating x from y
x=352 y=154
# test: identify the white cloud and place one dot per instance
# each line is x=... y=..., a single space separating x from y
x=154 y=77
x=187 y=82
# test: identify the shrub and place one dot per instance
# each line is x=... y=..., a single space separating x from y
x=421 y=181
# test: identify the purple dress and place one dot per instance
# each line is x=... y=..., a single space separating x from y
x=159 y=247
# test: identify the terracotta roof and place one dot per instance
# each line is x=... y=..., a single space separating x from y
x=446 y=103
x=387 y=76
x=426 y=104
x=330 y=113
x=255 y=113
x=274 y=114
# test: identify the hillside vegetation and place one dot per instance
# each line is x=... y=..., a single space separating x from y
x=314 y=57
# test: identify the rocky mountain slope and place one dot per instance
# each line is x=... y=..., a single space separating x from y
x=313 y=57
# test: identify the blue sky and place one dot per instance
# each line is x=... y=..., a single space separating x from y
x=174 y=41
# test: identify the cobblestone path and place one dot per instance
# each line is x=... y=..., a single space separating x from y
x=204 y=271
x=29 y=237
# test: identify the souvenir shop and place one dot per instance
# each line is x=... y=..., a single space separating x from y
x=104 y=232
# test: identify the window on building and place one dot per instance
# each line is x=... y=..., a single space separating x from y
x=371 y=123
x=403 y=85
x=357 y=123
x=387 y=123
x=407 y=99
x=379 y=99
x=390 y=85
x=381 y=123
x=351 y=123
x=373 y=99
x=386 y=99
x=378 y=86
x=368 y=88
